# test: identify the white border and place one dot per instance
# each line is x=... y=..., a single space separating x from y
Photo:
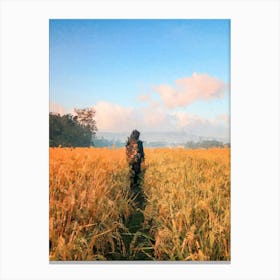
x=254 y=132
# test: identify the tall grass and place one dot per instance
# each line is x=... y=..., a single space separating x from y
x=187 y=213
x=88 y=201
x=188 y=209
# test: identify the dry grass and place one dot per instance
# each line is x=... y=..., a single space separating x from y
x=88 y=199
x=187 y=215
x=188 y=208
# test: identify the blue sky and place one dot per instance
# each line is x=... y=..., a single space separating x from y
x=157 y=75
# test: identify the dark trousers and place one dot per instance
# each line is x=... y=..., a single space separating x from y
x=135 y=170
x=136 y=184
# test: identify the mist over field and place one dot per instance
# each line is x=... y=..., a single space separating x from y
x=168 y=137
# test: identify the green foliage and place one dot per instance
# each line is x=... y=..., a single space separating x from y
x=204 y=144
x=85 y=117
x=102 y=142
x=67 y=131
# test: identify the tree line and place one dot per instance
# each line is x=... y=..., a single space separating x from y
x=69 y=130
x=206 y=144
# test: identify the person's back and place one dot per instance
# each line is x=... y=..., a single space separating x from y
x=134 y=148
x=135 y=156
x=141 y=151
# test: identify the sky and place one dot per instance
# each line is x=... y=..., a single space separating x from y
x=150 y=75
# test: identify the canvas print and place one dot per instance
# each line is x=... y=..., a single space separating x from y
x=139 y=140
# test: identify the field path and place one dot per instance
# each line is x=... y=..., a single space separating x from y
x=138 y=236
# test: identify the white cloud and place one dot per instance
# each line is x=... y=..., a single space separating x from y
x=154 y=117
x=144 y=97
x=114 y=118
x=188 y=120
x=222 y=119
x=149 y=99
x=190 y=89
x=197 y=125
x=56 y=108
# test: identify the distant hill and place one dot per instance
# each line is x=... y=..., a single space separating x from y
x=169 y=137
x=158 y=139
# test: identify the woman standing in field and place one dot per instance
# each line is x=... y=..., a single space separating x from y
x=135 y=156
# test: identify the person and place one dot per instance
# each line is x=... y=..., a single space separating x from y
x=135 y=157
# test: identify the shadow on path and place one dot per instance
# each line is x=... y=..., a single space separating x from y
x=137 y=241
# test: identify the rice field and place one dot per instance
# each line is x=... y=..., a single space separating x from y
x=185 y=217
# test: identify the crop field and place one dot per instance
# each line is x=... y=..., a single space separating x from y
x=185 y=215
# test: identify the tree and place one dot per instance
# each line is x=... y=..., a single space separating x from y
x=85 y=117
x=66 y=131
